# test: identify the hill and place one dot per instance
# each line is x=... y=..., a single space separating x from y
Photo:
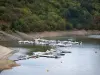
x=49 y=15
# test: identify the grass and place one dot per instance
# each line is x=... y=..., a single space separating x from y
x=37 y=48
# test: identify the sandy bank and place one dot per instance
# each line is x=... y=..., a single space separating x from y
x=30 y=36
x=4 y=52
x=7 y=64
x=4 y=62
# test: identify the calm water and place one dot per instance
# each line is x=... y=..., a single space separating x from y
x=82 y=61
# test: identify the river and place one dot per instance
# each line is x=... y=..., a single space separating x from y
x=84 y=60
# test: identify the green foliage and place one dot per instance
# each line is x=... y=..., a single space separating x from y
x=54 y=21
x=69 y=26
x=80 y=18
x=49 y=15
x=38 y=48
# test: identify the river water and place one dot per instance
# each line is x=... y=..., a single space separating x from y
x=84 y=60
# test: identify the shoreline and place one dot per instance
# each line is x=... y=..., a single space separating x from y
x=64 y=33
x=5 y=63
x=31 y=36
x=4 y=36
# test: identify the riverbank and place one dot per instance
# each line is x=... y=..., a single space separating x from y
x=4 y=36
x=64 y=33
x=7 y=64
x=4 y=52
x=4 y=62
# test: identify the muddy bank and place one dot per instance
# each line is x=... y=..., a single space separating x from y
x=4 y=36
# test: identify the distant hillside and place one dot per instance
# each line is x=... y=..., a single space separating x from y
x=49 y=15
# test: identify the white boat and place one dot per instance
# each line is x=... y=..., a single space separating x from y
x=25 y=42
x=50 y=56
x=38 y=53
x=63 y=45
x=63 y=50
x=58 y=53
x=52 y=50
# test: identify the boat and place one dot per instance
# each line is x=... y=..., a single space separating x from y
x=38 y=53
x=26 y=42
x=50 y=56
x=63 y=45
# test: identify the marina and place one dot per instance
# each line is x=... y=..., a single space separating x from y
x=52 y=53
x=77 y=59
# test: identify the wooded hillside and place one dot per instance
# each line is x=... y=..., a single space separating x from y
x=49 y=15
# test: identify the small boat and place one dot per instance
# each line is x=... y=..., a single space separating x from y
x=58 y=53
x=52 y=50
x=50 y=56
x=25 y=42
x=38 y=53
x=65 y=51
x=63 y=45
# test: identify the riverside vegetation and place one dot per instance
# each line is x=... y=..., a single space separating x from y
x=49 y=15
x=37 y=48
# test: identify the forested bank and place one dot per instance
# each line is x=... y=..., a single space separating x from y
x=49 y=15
